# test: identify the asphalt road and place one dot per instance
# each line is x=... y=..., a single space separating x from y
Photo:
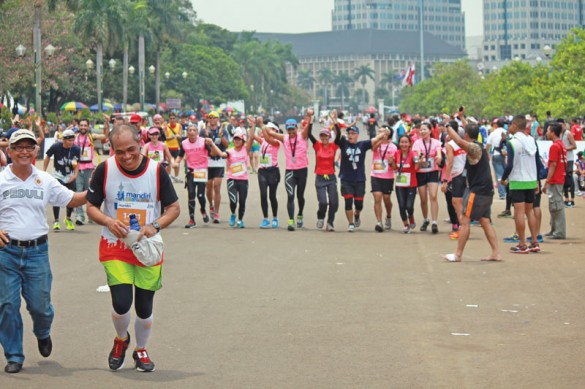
x=258 y=308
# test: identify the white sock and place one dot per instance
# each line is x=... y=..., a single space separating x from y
x=121 y=323
x=142 y=328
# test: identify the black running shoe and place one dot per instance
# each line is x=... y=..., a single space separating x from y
x=143 y=361
x=425 y=225
x=118 y=353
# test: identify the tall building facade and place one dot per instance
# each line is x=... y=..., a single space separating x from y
x=442 y=18
x=523 y=28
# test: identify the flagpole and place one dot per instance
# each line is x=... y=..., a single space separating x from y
x=422 y=41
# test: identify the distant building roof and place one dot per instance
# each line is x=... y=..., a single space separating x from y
x=366 y=42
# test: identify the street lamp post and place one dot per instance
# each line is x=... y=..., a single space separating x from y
x=49 y=51
x=152 y=70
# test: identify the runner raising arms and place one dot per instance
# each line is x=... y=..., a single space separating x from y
x=194 y=150
x=405 y=165
x=429 y=154
x=383 y=179
x=268 y=174
x=216 y=169
x=295 y=151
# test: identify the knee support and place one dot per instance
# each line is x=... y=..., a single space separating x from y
x=348 y=202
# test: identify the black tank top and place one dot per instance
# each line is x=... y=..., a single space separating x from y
x=479 y=177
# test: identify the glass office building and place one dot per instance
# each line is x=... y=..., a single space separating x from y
x=442 y=18
x=521 y=29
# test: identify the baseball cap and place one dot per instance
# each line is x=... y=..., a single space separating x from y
x=68 y=134
x=290 y=123
x=239 y=133
x=153 y=130
x=272 y=125
x=325 y=131
x=19 y=135
x=354 y=129
x=212 y=115
x=157 y=117
x=135 y=118
x=193 y=118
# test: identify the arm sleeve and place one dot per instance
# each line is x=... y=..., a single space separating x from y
x=95 y=194
x=510 y=164
x=168 y=195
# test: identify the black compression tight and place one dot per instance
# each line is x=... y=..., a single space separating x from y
x=122 y=300
x=295 y=179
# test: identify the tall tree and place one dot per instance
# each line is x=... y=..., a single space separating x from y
x=305 y=79
x=99 y=22
x=326 y=77
x=361 y=74
x=342 y=81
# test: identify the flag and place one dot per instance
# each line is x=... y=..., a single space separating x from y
x=409 y=79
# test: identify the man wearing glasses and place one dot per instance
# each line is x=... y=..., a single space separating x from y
x=24 y=251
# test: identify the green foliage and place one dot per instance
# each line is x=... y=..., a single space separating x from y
x=52 y=117
x=5 y=118
x=67 y=117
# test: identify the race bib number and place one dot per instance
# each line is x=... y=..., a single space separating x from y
x=402 y=180
x=266 y=160
x=85 y=155
x=125 y=209
x=200 y=175
x=155 y=155
x=380 y=167
x=427 y=165
x=238 y=169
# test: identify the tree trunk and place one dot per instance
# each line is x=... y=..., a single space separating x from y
x=125 y=78
x=141 y=69
x=157 y=80
x=37 y=53
x=98 y=61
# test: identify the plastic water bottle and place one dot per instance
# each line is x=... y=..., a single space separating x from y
x=134 y=225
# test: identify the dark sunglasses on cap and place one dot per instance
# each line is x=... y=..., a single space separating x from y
x=69 y=137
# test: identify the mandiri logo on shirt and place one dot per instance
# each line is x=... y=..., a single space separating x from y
x=131 y=196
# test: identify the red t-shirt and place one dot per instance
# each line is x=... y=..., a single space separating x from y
x=405 y=173
x=557 y=153
x=325 y=158
x=577 y=132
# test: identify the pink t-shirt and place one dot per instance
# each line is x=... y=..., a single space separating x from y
x=268 y=154
x=237 y=162
x=380 y=166
x=296 y=152
x=85 y=143
x=156 y=153
x=429 y=151
x=195 y=153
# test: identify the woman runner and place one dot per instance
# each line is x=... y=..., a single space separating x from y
x=405 y=165
x=383 y=179
x=268 y=174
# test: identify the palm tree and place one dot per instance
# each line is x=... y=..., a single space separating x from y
x=305 y=79
x=342 y=81
x=361 y=74
x=99 y=22
x=326 y=76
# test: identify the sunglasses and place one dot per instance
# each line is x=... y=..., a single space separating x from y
x=68 y=137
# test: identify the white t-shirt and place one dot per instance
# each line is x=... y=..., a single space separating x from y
x=494 y=139
x=23 y=203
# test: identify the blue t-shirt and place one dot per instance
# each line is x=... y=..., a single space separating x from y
x=353 y=159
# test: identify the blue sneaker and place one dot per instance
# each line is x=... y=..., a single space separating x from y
x=539 y=238
x=241 y=224
x=232 y=220
x=474 y=223
x=265 y=224
x=512 y=238
x=275 y=223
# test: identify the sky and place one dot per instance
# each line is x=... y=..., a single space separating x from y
x=296 y=16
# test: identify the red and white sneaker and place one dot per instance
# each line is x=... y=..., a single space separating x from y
x=534 y=248
x=142 y=360
x=116 y=357
x=520 y=249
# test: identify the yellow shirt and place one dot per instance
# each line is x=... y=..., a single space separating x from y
x=173 y=144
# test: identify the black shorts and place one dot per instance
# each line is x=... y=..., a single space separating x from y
x=350 y=189
x=174 y=153
x=458 y=185
x=384 y=185
x=476 y=206
x=537 y=197
x=425 y=178
x=215 y=172
x=522 y=195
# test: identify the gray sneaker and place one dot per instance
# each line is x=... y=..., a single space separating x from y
x=356 y=220
x=388 y=223
x=320 y=223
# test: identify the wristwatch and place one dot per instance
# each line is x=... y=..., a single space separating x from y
x=156 y=226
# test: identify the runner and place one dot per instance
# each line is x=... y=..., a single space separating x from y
x=454 y=181
x=429 y=154
x=65 y=169
x=297 y=162
x=194 y=150
x=255 y=151
x=157 y=151
x=173 y=136
x=268 y=174
x=352 y=172
x=383 y=179
x=130 y=183
x=570 y=146
x=325 y=180
x=238 y=166
x=478 y=196
x=405 y=164
x=84 y=140
x=553 y=186
x=216 y=167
